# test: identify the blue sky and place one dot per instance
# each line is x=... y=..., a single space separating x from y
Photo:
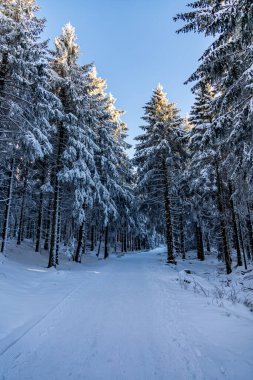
x=134 y=46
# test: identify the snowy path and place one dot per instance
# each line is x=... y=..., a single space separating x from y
x=126 y=319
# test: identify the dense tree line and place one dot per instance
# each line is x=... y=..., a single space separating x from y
x=65 y=177
x=200 y=172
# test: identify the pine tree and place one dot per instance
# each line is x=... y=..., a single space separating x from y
x=74 y=145
x=156 y=157
x=201 y=176
x=227 y=65
x=26 y=103
x=113 y=168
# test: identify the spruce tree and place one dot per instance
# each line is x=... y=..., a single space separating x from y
x=26 y=102
x=156 y=157
x=74 y=165
x=113 y=168
x=227 y=65
x=201 y=176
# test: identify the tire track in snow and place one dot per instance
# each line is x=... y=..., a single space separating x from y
x=133 y=322
x=41 y=319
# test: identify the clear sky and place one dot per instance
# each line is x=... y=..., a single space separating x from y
x=134 y=46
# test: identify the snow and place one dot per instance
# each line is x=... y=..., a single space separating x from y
x=128 y=318
x=212 y=281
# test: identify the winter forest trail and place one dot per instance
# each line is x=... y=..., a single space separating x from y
x=128 y=319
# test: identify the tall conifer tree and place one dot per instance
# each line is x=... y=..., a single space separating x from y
x=156 y=157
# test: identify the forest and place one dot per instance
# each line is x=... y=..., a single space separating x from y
x=67 y=182
x=126 y=250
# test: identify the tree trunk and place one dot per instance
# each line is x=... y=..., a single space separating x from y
x=122 y=242
x=236 y=237
x=125 y=239
x=170 y=257
x=99 y=245
x=58 y=233
x=106 y=253
x=242 y=245
x=7 y=209
x=48 y=225
x=77 y=257
x=182 y=238
x=51 y=261
x=29 y=229
x=115 y=241
x=92 y=239
x=21 y=219
x=221 y=209
x=139 y=244
x=208 y=247
x=84 y=241
x=200 y=245
x=56 y=200
x=39 y=223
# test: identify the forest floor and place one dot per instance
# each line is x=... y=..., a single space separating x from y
x=127 y=318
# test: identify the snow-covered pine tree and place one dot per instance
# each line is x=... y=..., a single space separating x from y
x=206 y=183
x=124 y=198
x=74 y=146
x=227 y=65
x=201 y=178
x=26 y=103
x=156 y=157
x=112 y=192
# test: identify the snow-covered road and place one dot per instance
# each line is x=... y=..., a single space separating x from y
x=126 y=318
